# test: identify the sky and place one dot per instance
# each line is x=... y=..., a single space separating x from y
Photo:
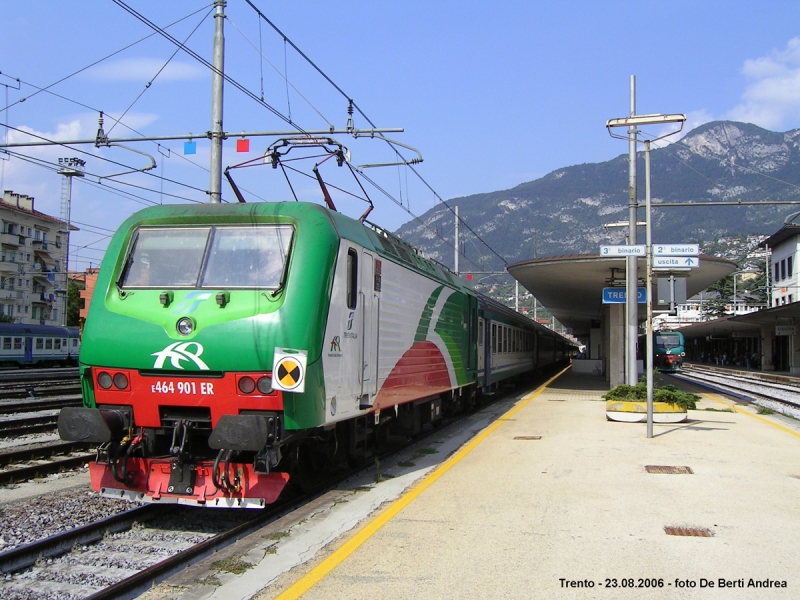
x=489 y=94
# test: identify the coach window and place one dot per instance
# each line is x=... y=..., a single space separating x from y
x=48 y=344
x=494 y=338
x=352 y=278
x=6 y=343
x=17 y=343
x=57 y=342
x=40 y=343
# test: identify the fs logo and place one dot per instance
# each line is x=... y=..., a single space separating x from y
x=335 y=347
x=350 y=321
x=180 y=351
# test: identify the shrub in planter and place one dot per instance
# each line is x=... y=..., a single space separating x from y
x=661 y=393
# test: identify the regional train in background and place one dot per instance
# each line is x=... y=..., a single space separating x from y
x=668 y=350
x=230 y=348
x=38 y=345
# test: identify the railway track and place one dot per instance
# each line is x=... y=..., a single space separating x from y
x=775 y=392
x=122 y=556
x=38 y=461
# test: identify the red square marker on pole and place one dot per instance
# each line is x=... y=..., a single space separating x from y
x=243 y=145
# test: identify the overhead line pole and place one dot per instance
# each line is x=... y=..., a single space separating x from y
x=215 y=187
x=631 y=262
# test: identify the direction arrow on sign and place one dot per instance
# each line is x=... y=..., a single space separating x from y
x=675 y=262
x=622 y=250
x=676 y=250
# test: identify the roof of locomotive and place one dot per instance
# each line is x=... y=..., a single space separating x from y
x=365 y=234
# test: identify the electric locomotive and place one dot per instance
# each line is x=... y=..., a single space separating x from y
x=231 y=347
x=668 y=350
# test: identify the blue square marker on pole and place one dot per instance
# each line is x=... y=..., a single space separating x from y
x=190 y=147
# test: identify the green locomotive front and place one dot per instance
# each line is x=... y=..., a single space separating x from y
x=220 y=337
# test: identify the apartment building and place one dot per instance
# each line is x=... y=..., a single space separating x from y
x=33 y=259
x=785 y=248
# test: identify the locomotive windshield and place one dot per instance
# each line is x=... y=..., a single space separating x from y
x=668 y=341
x=238 y=257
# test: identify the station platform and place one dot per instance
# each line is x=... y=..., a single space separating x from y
x=548 y=499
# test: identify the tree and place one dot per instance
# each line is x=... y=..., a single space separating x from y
x=74 y=303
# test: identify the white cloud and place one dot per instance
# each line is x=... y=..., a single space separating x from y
x=772 y=96
x=144 y=69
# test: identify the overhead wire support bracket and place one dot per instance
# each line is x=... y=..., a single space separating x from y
x=414 y=161
x=186 y=136
x=102 y=140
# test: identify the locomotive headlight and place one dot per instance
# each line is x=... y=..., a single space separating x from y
x=185 y=326
x=121 y=381
x=247 y=385
x=265 y=385
x=104 y=379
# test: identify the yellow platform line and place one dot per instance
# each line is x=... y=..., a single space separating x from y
x=326 y=566
x=742 y=411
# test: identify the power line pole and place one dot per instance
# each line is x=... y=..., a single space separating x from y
x=215 y=187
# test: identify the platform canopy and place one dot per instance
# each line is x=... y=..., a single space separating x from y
x=571 y=287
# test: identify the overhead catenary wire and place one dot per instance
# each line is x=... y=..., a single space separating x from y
x=206 y=63
x=356 y=107
x=99 y=61
x=164 y=66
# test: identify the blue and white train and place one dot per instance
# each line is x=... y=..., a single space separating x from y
x=38 y=345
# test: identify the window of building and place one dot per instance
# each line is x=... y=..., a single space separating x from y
x=777 y=272
x=789 y=266
x=783 y=269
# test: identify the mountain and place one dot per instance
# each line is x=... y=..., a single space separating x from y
x=564 y=211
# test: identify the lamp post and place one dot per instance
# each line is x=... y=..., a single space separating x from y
x=632 y=123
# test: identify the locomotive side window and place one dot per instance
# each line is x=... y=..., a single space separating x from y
x=352 y=278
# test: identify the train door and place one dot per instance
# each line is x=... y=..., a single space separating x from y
x=481 y=350
x=28 y=350
x=369 y=329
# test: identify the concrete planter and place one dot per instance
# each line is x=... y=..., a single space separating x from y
x=636 y=411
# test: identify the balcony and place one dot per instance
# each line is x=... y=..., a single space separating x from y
x=10 y=239
x=7 y=267
x=10 y=295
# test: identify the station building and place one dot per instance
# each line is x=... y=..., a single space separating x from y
x=571 y=288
